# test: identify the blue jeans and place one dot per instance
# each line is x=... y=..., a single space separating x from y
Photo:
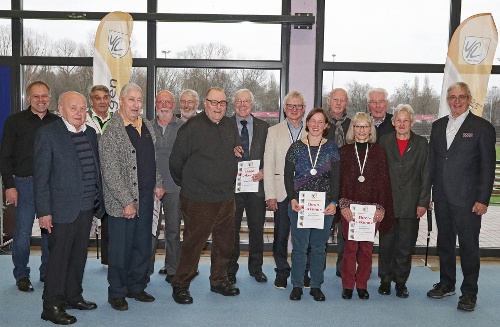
x=301 y=239
x=25 y=216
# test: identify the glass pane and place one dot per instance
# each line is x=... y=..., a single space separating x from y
x=257 y=7
x=5 y=38
x=491 y=110
x=264 y=84
x=5 y=5
x=72 y=38
x=219 y=41
x=369 y=31
x=101 y=6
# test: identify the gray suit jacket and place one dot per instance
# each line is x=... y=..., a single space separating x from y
x=58 y=174
x=409 y=174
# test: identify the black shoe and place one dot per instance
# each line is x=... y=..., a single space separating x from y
x=181 y=295
x=58 y=316
x=384 y=288
x=162 y=271
x=402 y=291
x=80 y=305
x=296 y=294
x=225 y=289
x=439 y=291
x=142 y=296
x=280 y=281
x=24 y=285
x=169 y=278
x=467 y=302
x=317 y=294
x=259 y=277
x=307 y=280
x=346 y=294
x=118 y=303
x=363 y=293
x=231 y=278
x=338 y=274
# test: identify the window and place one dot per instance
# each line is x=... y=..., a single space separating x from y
x=5 y=38
x=102 y=6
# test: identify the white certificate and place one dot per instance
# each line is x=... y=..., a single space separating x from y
x=313 y=206
x=246 y=170
x=363 y=227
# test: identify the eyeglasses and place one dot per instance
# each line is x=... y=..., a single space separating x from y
x=188 y=102
x=461 y=98
x=338 y=100
x=243 y=101
x=379 y=102
x=361 y=126
x=294 y=106
x=165 y=102
x=215 y=103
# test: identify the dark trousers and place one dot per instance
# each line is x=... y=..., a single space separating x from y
x=451 y=222
x=280 y=242
x=340 y=245
x=68 y=255
x=104 y=239
x=395 y=250
x=130 y=249
x=255 y=207
x=201 y=219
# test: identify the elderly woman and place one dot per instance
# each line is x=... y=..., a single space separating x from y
x=130 y=182
x=407 y=155
x=311 y=164
x=364 y=179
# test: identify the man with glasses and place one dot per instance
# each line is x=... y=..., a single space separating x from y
x=279 y=139
x=376 y=102
x=204 y=165
x=462 y=171
x=253 y=133
x=166 y=126
x=189 y=102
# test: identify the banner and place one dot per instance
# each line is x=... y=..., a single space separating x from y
x=470 y=57
x=112 y=55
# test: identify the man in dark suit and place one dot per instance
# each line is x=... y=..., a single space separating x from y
x=253 y=133
x=376 y=102
x=462 y=171
x=68 y=193
x=407 y=156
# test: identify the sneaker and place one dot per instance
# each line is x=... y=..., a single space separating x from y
x=24 y=285
x=402 y=290
x=467 y=302
x=439 y=291
x=296 y=294
x=280 y=281
x=384 y=288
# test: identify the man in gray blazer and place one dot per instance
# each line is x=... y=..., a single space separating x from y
x=407 y=156
x=462 y=171
x=253 y=134
x=68 y=193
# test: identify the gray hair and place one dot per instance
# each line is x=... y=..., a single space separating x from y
x=376 y=90
x=460 y=86
x=339 y=89
x=405 y=108
x=358 y=117
x=192 y=93
x=242 y=91
x=129 y=87
x=294 y=94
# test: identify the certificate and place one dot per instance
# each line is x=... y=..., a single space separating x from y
x=363 y=227
x=312 y=213
x=244 y=181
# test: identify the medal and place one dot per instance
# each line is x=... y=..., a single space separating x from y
x=313 y=171
x=361 y=179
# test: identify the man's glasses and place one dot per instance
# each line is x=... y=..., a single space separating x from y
x=461 y=98
x=243 y=101
x=215 y=103
x=294 y=106
x=379 y=102
x=164 y=102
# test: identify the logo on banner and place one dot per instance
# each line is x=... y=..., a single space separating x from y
x=118 y=43
x=475 y=49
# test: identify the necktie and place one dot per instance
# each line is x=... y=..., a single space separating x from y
x=245 y=140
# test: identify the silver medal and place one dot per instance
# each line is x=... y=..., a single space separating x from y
x=313 y=171
x=361 y=179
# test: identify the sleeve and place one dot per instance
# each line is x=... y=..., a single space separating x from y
x=289 y=173
x=269 y=164
x=425 y=188
x=335 y=181
x=41 y=173
x=7 y=149
x=487 y=163
x=179 y=154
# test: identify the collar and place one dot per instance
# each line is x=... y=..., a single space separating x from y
x=460 y=119
x=249 y=119
x=72 y=128
x=94 y=115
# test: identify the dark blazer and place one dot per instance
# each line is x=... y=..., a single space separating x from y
x=332 y=130
x=386 y=127
x=464 y=173
x=258 y=145
x=409 y=174
x=58 y=174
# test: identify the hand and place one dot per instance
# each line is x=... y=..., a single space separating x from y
x=295 y=205
x=272 y=204
x=347 y=214
x=421 y=211
x=479 y=209
x=330 y=209
x=238 y=150
x=159 y=193
x=259 y=176
x=379 y=216
x=45 y=222
x=130 y=211
x=11 y=196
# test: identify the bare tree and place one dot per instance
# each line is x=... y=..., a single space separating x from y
x=5 y=40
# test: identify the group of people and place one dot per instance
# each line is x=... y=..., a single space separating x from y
x=122 y=168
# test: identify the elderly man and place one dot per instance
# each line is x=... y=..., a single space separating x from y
x=98 y=116
x=166 y=126
x=407 y=155
x=16 y=166
x=462 y=171
x=339 y=125
x=376 y=102
x=131 y=181
x=278 y=141
x=189 y=102
x=204 y=165
x=68 y=193
x=253 y=134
